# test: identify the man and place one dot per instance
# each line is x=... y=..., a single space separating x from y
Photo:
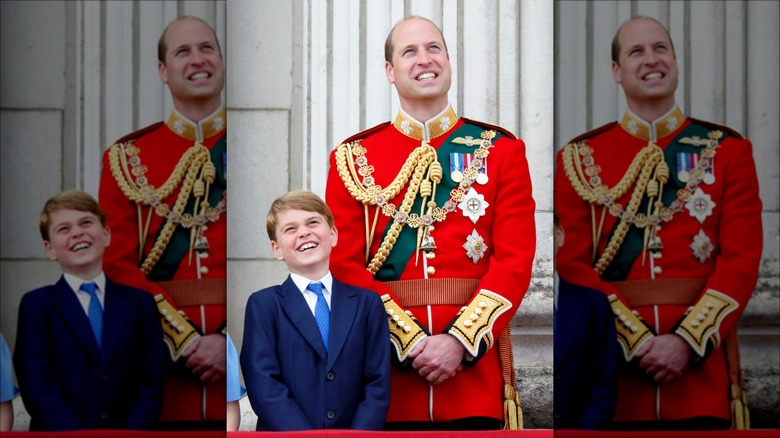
x=164 y=191
x=448 y=218
x=659 y=204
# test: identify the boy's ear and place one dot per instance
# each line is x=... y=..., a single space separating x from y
x=47 y=246
x=334 y=236
x=277 y=250
x=107 y=232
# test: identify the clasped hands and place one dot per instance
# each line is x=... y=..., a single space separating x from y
x=206 y=358
x=437 y=358
x=664 y=358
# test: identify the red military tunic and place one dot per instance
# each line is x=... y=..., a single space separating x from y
x=494 y=246
x=693 y=277
x=165 y=157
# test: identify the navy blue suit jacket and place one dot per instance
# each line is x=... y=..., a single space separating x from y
x=67 y=382
x=585 y=359
x=293 y=384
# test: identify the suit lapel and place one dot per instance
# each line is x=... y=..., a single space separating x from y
x=343 y=307
x=73 y=315
x=300 y=315
x=117 y=307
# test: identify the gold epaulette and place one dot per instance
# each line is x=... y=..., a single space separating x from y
x=405 y=331
x=178 y=330
x=474 y=323
x=632 y=332
x=701 y=323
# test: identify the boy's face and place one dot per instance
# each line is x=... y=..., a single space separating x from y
x=77 y=241
x=304 y=241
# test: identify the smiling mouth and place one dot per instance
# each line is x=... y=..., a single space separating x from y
x=80 y=246
x=307 y=246
x=198 y=76
x=653 y=76
x=426 y=76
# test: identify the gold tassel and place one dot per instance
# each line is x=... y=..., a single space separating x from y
x=740 y=416
x=513 y=414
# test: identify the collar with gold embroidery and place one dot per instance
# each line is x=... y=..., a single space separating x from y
x=429 y=130
x=655 y=130
x=208 y=127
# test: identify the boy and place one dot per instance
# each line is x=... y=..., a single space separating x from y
x=88 y=353
x=315 y=352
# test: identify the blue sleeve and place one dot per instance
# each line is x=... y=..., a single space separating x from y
x=372 y=410
x=234 y=389
x=7 y=388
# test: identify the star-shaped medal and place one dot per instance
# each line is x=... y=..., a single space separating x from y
x=702 y=246
x=475 y=246
x=473 y=205
x=700 y=205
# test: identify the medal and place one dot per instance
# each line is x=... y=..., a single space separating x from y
x=700 y=205
x=702 y=246
x=684 y=166
x=456 y=167
x=473 y=205
x=482 y=178
x=709 y=176
x=475 y=246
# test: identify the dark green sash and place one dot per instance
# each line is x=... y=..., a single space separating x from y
x=406 y=243
x=633 y=243
x=179 y=246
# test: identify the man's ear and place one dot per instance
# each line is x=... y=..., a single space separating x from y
x=162 y=69
x=616 y=73
x=389 y=72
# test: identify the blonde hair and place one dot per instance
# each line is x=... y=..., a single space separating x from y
x=296 y=200
x=69 y=200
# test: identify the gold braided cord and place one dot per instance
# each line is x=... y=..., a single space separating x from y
x=422 y=172
x=194 y=173
x=636 y=198
x=181 y=201
x=367 y=195
x=117 y=158
x=406 y=205
x=580 y=183
x=648 y=172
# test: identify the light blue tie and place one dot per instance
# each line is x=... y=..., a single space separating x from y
x=94 y=311
x=321 y=312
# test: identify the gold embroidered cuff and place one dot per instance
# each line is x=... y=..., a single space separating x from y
x=632 y=333
x=178 y=330
x=474 y=323
x=405 y=332
x=702 y=322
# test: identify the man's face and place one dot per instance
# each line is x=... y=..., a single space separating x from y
x=648 y=67
x=77 y=241
x=193 y=66
x=421 y=68
x=304 y=241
